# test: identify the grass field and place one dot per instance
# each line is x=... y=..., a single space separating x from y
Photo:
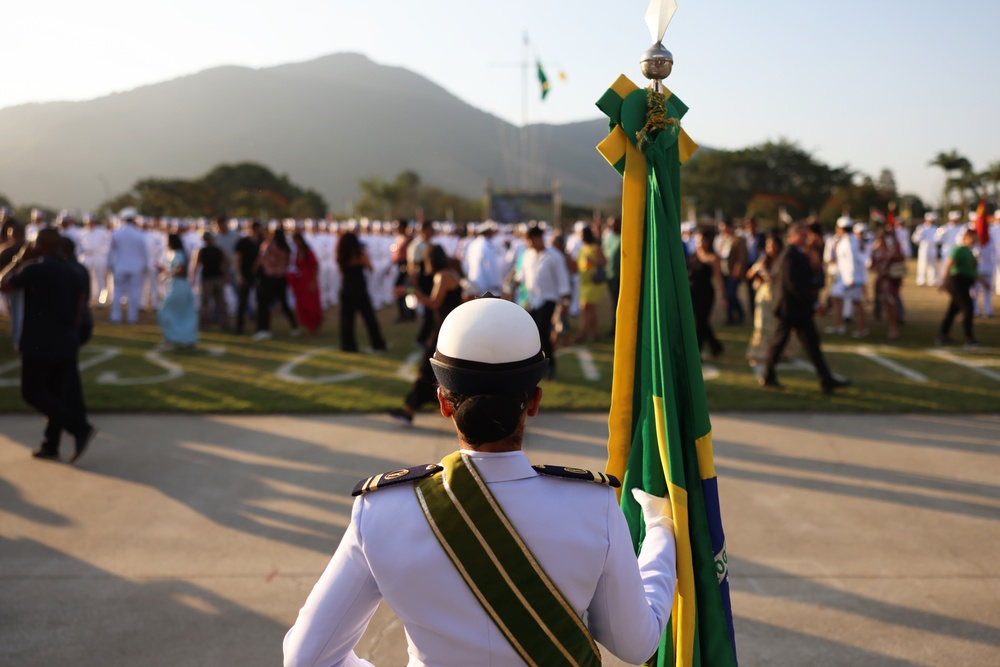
x=232 y=374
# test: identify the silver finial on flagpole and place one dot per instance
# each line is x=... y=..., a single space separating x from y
x=657 y=62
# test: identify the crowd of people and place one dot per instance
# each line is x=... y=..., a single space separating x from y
x=199 y=273
x=196 y=274
x=852 y=268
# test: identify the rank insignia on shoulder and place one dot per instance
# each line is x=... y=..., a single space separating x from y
x=578 y=473
x=395 y=477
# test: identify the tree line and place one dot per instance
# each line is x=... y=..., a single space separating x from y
x=773 y=181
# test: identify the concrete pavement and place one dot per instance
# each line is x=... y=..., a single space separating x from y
x=193 y=540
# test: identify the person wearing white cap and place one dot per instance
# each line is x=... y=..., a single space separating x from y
x=925 y=236
x=485 y=558
x=483 y=263
x=946 y=239
x=128 y=259
x=852 y=274
x=95 y=243
x=986 y=265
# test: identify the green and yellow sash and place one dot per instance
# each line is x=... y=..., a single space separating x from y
x=500 y=570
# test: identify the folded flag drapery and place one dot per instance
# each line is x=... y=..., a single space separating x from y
x=660 y=433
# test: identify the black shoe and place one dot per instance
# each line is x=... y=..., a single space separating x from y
x=401 y=417
x=82 y=442
x=834 y=383
x=770 y=383
x=45 y=454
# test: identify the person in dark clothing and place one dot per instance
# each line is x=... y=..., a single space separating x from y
x=960 y=274
x=354 y=298
x=274 y=259
x=444 y=297
x=419 y=277
x=54 y=299
x=67 y=251
x=214 y=267
x=245 y=258
x=793 y=309
x=705 y=277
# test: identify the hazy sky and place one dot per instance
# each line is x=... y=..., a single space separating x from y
x=869 y=84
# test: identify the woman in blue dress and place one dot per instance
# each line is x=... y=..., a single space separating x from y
x=178 y=316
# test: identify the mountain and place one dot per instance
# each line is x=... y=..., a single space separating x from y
x=325 y=123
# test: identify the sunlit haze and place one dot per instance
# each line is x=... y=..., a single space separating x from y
x=872 y=85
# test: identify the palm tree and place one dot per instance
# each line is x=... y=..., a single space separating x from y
x=950 y=163
x=992 y=177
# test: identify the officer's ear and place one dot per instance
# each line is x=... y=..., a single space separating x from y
x=447 y=409
x=534 y=401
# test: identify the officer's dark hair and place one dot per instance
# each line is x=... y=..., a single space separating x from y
x=534 y=231
x=485 y=418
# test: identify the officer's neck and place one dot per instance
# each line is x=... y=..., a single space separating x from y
x=509 y=445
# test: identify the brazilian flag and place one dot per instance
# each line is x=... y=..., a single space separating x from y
x=542 y=79
x=660 y=433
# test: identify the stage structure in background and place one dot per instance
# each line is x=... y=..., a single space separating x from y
x=660 y=433
x=513 y=206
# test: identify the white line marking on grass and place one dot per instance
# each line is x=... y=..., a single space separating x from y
x=408 y=370
x=102 y=355
x=173 y=371
x=286 y=371
x=587 y=365
x=909 y=373
x=971 y=364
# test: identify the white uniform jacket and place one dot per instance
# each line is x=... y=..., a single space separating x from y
x=128 y=253
x=575 y=529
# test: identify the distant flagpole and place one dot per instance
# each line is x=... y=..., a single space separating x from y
x=660 y=435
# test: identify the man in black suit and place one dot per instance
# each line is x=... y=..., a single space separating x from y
x=54 y=307
x=793 y=309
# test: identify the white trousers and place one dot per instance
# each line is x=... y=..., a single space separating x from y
x=982 y=293
x=151 y=288
x=99 y=291
x=927 y=265
x=128 y=285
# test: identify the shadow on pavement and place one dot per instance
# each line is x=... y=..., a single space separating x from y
x=68 y=612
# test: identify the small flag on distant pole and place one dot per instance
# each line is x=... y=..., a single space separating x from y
x=542 y=79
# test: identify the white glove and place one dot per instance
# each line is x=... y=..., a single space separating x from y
x=656 y=511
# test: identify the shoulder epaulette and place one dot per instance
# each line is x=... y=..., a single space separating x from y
x=395 y=477
x=578 y=473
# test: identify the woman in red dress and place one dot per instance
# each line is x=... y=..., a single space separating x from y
x=304 y=280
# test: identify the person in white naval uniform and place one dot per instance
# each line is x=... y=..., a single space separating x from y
x=95 y=242
x=156 y=256
x=925 y=236
x=488 y=363
x=127 y=259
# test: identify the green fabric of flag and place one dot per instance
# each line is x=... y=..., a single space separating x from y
x=660 y=432
x=542 y=79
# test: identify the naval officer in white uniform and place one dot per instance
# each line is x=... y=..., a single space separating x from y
x=488 y=363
